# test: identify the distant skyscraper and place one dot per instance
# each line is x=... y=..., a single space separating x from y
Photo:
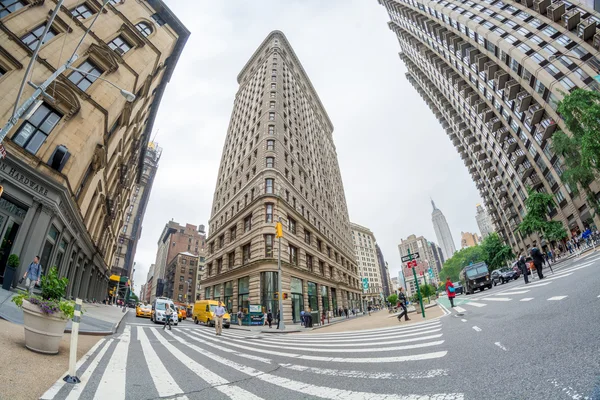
x=442 y=232
x=484 y=222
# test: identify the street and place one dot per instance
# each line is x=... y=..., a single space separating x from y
x=516 y=341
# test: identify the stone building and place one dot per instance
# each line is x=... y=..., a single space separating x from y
x=180 y=278
x=493 y=73
x=174 y=239
x=468 y=239
x=74 y=162
x=368 y=262
x=279 y=163
x=483 y=222
x=427 y=263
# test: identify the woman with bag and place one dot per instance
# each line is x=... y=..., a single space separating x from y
x=451 y=291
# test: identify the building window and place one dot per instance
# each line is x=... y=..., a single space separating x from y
x=309 y=262
x=231 y=259
x=119 y=45
x=292 y=225
x=144 y=29
x=248 y=223
x=232 y=233
x=269 y=183
x=158 y=19
x=84 y=81
x=271 y=129
x=270 y=144
x=271 y=116
x=269 y=246
x=269 y=212
x=293 y=255
x=80 y=12
x=10 y=6
x=270 y=162
x=221 y=241
x=35 y=130
x=32 y=38
x=307 y=237
x=246 y=254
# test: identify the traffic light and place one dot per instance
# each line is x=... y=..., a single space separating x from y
x=285 y=296
x=278 y=230
x=276 y=296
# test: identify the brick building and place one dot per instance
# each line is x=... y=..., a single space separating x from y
x=181 y=277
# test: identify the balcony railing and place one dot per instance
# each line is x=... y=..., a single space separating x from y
x=546 y=128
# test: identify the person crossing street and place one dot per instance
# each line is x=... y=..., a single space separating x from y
x=402 y=303
x=538 y=260
x=219 y=313
x=522 y=264
x=168 y=316
x=451 y=291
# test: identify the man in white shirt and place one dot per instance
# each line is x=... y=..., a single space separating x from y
x=219 y=313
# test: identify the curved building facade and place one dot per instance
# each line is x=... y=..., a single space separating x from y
x=493 y=73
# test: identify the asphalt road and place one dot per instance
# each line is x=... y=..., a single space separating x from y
x=516 y=341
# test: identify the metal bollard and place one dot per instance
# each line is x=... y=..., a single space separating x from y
x=72 y=377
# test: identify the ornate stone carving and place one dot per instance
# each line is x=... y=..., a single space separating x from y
x=99 y=158
x=66 y=99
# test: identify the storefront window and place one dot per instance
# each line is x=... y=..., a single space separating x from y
x=207 y=293
x=228 y=298
x=324 y=298
x=334 y=301
x=297 y=298
x=244 y=293
x=268 y=288
x=312 y=296
x=217 y=292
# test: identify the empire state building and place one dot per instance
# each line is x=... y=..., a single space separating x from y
x=442 y=232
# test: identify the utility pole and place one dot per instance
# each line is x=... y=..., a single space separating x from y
x=414 y=265
x=279 y=234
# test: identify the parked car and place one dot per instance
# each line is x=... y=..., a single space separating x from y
x=458 y=288
x=504 y=275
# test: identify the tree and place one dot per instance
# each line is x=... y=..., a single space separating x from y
x=580 y=151
x=427 y=290
x=496 y=253
x=392 y=299
x=459 y=260
x=537 y=219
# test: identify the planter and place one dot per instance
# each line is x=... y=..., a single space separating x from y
x=43 y=332
x=418 y=307
x=9 y=276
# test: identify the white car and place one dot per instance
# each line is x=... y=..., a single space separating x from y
x=158 y=311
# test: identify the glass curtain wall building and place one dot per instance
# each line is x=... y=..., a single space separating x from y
x=493 y=73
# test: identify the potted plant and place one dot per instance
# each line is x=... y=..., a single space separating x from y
x=415 y=300
x=9 y=272
x=45 y=317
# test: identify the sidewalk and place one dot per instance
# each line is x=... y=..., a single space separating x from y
x=97 y=319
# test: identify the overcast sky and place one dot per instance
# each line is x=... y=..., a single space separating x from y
x=392 y=152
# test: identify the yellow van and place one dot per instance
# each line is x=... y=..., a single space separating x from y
x=204 y=312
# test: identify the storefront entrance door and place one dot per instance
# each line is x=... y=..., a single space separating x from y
x=12 y=227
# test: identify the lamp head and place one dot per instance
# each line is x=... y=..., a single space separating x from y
x=130 y=97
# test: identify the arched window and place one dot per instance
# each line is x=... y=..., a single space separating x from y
x=144 y=28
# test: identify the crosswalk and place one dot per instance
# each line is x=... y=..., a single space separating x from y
x=146 y=362
x=523 y=292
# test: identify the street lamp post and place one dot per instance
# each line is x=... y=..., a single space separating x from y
x=281 y=324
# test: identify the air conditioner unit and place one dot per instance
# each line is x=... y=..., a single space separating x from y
x=541 y=5
x=597 y=39
x=571 y=19
x=556 y=10
x=586 y=29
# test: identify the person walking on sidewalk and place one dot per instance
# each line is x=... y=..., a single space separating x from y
x=369 y=309
x=240 y=317
x=270 y=318
x=346 y=312
x=302 y=319
x=538 y=260
x=219 y=313
x=33 y=273
x=402 y=303
x=168 y=316
x=522 y=264
x=451 y=291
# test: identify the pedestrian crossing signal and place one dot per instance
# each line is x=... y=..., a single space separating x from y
x=278 y=230
x=285 y=296
x=276 y=296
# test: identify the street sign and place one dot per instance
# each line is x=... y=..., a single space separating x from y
x=430 y=273
x=421 y=273
x=2 y=151
x=365 y=282
x=410 y=257
x=366 y=286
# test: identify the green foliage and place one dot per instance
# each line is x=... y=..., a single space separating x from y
x=427 y=290
x=53 y=287
x=496 y=253
x=13 y=261
x=536 y=220
x=459 y=260
x=580 y=150
x=50 y=302
x=392 y=299
x=414 y=298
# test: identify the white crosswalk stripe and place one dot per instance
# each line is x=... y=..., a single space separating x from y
x=475 y=304
x=555 y=298
x=286 y=362
x=527 y=299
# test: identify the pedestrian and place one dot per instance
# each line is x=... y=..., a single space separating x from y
x=369 y=309
x=450 y=290
x=270 y=318
x=402 y=303
x=346 y=312
x=265 y=319
x=522 y=264
x=302 y=318
x=278 y=318
x=323 y=318
x=219 y=313
x=168 y=316
x=538 y=259
x=240 y=317
x=33 y=274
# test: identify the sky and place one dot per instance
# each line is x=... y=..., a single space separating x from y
x=393 y=154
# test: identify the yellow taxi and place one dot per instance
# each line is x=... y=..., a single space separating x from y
x=181 y=314
x=143 y=310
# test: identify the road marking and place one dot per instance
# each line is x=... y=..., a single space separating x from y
x=369 y=332
x=299 y=344
x=539 y=284
x=424 y=356
x=460 y=309
x=163 y=381
x=213 y=379
x=464 y=320
x=526 y=299
x=568 y=390
x=367 y=375
x=112 y=383
x=510 y=293
x=478 y=329
x=85 y=377
x=477 y=304
x=559 y=276
x=54 y=389
x=556 y=298
x=497 y=298
x=500 y=345
x=599 y=296
x=306 y=388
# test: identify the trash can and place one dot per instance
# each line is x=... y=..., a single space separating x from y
x=308 y=320
x=315 y=318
